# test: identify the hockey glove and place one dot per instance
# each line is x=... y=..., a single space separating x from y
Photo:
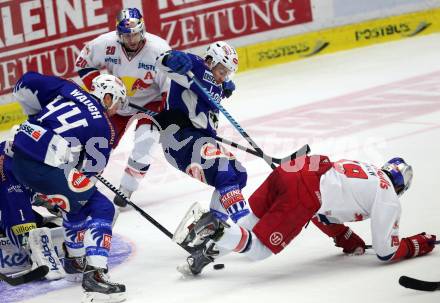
x=178 y=62
x=44 y=201
x=350 y=242
x=419 y=245
x=228 y=88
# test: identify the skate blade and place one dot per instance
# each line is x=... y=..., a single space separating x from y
x=184 y=270
x=359 y=251
x=97 y=297
x=192 y=216
x=55 y=275
x=74 y=277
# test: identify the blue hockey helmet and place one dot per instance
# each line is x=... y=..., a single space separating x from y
x=400 y=173
x=129 y=21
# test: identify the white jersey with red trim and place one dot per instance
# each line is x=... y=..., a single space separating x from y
x=143 y=82
x=355 y=191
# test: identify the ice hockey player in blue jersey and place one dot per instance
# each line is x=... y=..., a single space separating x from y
x=17 y=218
x=189 y=124
x=19 y=223
x=66 y=140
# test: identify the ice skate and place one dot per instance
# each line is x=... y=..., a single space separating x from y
x=119 y=201
x=98 y=288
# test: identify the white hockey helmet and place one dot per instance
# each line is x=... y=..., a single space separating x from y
x=223 y=53
x=109 y=84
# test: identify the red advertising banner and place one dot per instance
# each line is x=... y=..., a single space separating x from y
x=191 y=23
x=44 y=36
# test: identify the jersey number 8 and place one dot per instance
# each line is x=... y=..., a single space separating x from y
x=351 y=169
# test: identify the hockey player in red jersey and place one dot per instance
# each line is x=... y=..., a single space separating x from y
x=312 y=188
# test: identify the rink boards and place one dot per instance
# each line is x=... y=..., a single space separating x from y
x=306 y=45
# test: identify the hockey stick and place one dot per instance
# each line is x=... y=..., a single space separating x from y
x=230 y=118
x=369 y=246
x=300 y=152
x=416 y=284
x=138 y=209
x=35 y=274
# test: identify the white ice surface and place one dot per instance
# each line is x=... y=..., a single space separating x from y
x=310 y=269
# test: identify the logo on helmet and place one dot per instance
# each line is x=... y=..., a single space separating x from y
x=130 y=21
x=400 y=174
x=223 y=53
x=227 y=50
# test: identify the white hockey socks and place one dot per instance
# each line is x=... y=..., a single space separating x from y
x=145 y=143
x=42 y=253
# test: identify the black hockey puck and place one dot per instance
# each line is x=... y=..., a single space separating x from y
x=219 y=266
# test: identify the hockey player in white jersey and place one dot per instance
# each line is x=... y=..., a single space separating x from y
x=130 y=54
x=312 y=188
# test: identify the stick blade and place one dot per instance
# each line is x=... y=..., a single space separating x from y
x=416 y=284
x=192 y=215
x=35 y=274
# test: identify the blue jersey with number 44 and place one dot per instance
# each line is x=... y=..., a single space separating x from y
x=60 y=111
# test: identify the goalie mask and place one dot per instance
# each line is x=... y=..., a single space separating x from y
x=221 y=52
x=109 y=84
x=400 y=173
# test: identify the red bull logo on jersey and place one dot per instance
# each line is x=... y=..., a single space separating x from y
x=134 y=85
x=139 y=84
